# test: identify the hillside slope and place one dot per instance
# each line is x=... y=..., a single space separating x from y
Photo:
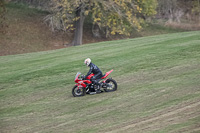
x=26 y=32
x=158 y=87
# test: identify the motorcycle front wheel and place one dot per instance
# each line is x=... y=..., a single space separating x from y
x=78 y=91
x=111 y=85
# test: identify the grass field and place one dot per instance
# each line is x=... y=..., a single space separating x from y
x=158 y=87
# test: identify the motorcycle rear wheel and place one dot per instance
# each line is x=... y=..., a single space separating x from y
x=78 y=91
x=111 y=85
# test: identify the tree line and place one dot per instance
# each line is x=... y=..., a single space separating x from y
x=175 y=10
x=112 y=17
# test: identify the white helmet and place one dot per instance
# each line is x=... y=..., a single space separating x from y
x=87 y=61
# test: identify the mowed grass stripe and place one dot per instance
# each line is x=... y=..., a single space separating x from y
x=153 y=74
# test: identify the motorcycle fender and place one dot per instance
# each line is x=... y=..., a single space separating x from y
x=80 y=85
x=106 y=80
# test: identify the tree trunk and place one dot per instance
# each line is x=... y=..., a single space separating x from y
x=78 y=34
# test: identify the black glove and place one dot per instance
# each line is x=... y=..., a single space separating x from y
x=83 y=77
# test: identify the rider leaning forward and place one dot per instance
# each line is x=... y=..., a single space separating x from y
x=97 y=74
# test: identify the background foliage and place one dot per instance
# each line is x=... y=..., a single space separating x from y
x=113 y=17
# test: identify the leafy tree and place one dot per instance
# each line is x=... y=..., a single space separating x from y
x=196 y=6
x=111 y=16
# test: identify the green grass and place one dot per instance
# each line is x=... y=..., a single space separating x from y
x=154 y=28
x=158 y=78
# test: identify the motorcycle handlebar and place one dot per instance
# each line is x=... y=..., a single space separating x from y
x=83 y=76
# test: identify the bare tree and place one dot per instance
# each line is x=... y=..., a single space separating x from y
x=175 y=10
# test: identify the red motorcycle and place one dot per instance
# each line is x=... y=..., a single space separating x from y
x=86 y=86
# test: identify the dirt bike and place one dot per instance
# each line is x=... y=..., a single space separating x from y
x=85 y=86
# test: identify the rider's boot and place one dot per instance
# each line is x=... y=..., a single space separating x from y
x=97 y=88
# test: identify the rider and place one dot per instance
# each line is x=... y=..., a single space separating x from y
x=95 y=70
